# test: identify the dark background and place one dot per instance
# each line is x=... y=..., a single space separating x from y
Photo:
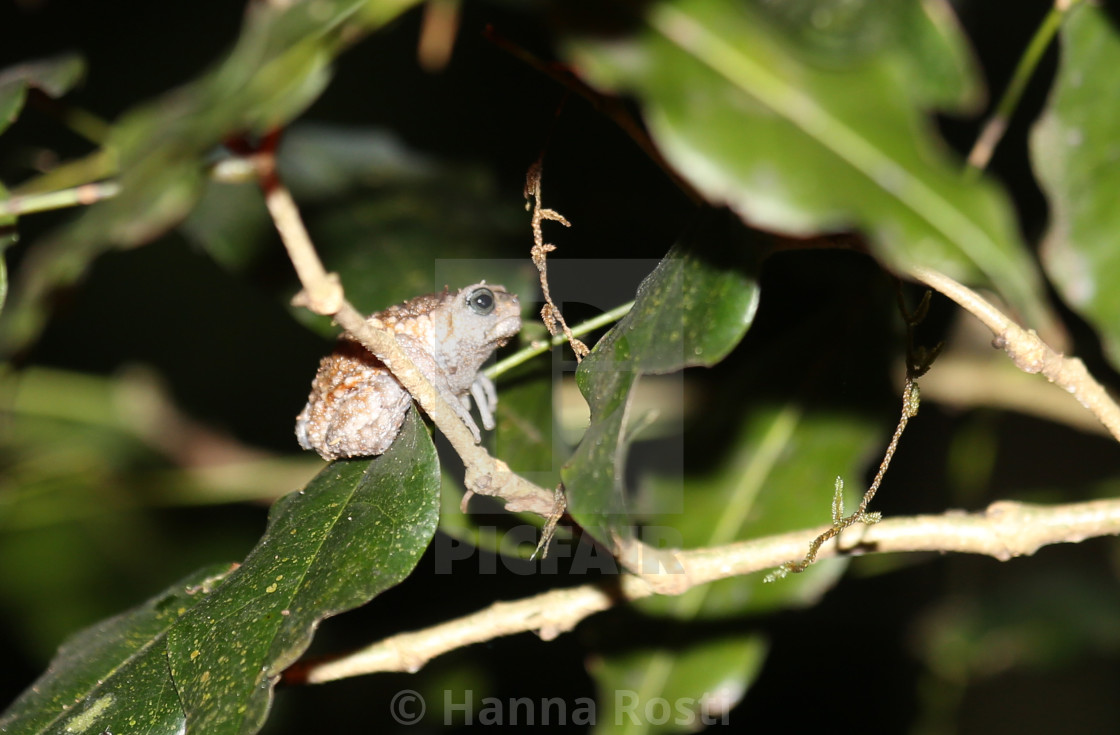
x=492 y=113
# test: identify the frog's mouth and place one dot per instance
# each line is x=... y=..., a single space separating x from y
x=506 y=328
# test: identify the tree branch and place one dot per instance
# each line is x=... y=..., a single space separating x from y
x=969 y=382
x=323 y=294
x=1029 y=353
x=1005 y=530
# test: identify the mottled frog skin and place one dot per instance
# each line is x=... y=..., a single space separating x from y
x=356 y=406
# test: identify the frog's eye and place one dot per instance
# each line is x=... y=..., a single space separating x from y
x=481 y=301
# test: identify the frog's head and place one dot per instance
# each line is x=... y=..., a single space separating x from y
x=489 y=313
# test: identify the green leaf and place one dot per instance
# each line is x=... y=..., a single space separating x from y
x=323 y=162
x=689 y=311
x=781 y=468
x=13 y=95
x=55 y=77
x=3 y=278
x=751 y=118
x=278 y=67
x=8 y=237
x=1074 y=150
x=922 y=39
x=934 y=57
x=114 y=675
x=230 y=222
x=778 y=478
x=669 y=690
x=356 y=530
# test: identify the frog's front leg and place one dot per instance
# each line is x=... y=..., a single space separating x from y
x=438 y=378
x=486 y=398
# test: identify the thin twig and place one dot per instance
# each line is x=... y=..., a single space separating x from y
x=527 y=353
x=437 y=34
x=1004 y=531
x=559 y=508
x=74 y=197
x=1029 y=353
x=996 y=125
x=993 y=382
x=1027 y=350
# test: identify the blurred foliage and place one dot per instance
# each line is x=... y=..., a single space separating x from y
x=158 y=151
x=1073 y=149
x=858 y=153
x=55 y=77
x=154 y=364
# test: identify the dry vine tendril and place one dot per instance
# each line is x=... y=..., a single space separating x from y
x=918 y=362
x=552 y=318
x=550 y=313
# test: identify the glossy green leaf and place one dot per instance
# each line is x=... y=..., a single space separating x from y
x=669 y=690
x=55 y=77
x=750 y=116
x=1074 y=148
x=113 y=676
x=356 y=530
x=278 y=67
x=690 y=311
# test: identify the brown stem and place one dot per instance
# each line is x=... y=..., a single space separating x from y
x=1004 y=531
x=323 y=294
x=1029 y=353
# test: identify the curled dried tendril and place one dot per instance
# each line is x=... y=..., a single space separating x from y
x=918 y=362
x=839 y=523
x=550 y=313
